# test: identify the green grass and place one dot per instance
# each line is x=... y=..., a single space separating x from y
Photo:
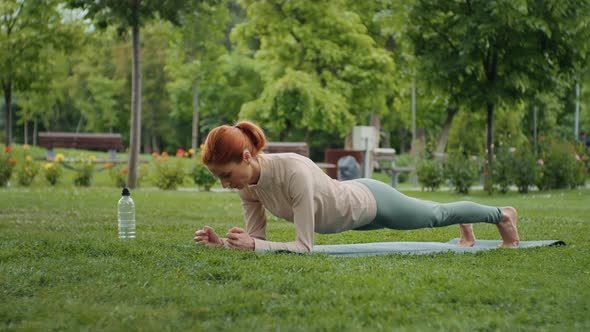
x=63 y=268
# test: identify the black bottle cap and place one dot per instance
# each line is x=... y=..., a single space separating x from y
x=125 y=192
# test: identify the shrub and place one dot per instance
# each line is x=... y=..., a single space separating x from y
x=6 y=165
x=503 y=160
x=203 y=177
x=27 y=171
x=84 y=172
x=522 y=169
x=560 y=166
x=118 y=175
x=430 y=174
x=53 y=172
x=143 y=173
x=168 y=175
x=461 y=172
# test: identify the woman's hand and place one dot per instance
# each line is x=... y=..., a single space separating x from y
x=208 y=237
x=239 y=239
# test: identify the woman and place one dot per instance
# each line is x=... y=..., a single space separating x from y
x=292 y=187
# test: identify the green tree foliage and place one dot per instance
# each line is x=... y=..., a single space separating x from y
x=497 y=51
x=157 y=123
x=38 y=102
x=195 y=61
x=30 y=31
x=132 y=14
x=317 y=62
x=95 y=86
x=388 y=23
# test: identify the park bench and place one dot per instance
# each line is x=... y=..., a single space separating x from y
x=384 y=160
x=331 y=157
x=301 y=148
x=283 y=147
x=97 y=142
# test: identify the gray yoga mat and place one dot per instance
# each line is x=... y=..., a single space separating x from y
x=419 y=248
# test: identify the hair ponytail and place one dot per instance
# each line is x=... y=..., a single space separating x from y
x=254 y=134
x=227 y=143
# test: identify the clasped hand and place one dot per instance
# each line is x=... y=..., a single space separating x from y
x=237 y=238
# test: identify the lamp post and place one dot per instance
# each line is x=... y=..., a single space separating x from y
x=577 y=118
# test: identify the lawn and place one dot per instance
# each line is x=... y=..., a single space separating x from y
x=63 y=268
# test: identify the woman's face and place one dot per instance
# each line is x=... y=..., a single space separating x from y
x=234 y=175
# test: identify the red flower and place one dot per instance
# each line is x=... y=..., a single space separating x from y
x=7 y=149
x=179 y=152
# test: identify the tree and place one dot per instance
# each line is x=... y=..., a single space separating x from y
x=93 y=84
x=321 y=70
x=132 y=14
x=496 y=51
x=195 y=59
x=26 y=29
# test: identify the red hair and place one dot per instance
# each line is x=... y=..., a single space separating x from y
x=225 y=143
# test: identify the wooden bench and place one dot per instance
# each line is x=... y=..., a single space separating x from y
x=99 y=142
x=295 y=147
x=283 y=147
x=388 y=156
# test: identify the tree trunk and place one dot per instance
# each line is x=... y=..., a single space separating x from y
x=8 y=109
x=147 y=147
x=155 y=144
x=375 y=121
x=489 y=138
x=402 y=140
x=135 y=133
x=35 y=129
x=195 y=142
x=444 y=135
x=25 y=129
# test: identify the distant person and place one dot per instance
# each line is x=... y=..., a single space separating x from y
x=294 y=188
x=584 y=139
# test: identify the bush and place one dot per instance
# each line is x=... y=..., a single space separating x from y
x=27 y=171
x=84 y=173
x=503 y=161
x=514 y=166
x=203 y=177
x=461 y=172
x=522 y=169
x=560 y=166
x=53 y=172
x=143 y=173
x=118 y=175
x=6 y=165
x=430 y=174
x=168 y=175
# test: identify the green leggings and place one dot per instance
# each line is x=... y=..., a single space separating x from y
x=398 y=211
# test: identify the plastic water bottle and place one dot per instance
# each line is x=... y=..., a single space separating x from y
x=126 y=215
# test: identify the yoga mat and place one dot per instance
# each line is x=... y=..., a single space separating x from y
x=419 y=248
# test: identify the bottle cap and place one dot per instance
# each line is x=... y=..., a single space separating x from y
x=125 y=192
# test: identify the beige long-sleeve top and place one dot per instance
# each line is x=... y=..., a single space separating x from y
x=294 y=188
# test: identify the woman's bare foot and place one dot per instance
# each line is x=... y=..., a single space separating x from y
x=467 y=236
x=507 y=227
